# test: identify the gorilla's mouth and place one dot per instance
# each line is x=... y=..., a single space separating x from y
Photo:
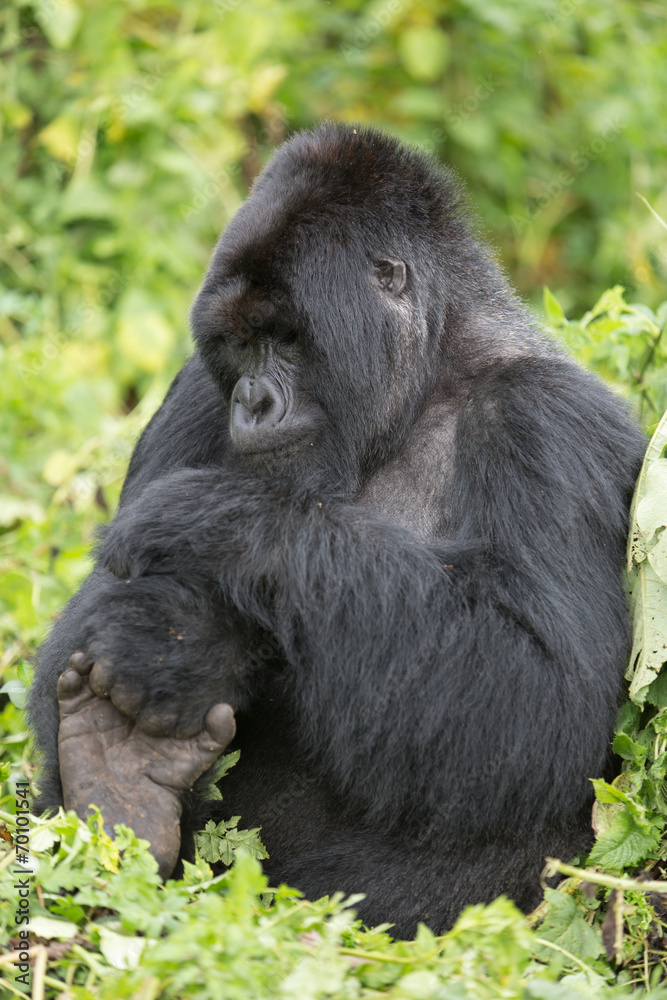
x=278 y=452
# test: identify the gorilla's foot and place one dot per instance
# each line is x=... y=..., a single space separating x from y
x=136 y=779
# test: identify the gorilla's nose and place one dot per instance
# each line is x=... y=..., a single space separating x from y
x=260 y=399
x=258 y=406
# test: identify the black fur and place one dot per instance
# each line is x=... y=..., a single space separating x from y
x=416 y=608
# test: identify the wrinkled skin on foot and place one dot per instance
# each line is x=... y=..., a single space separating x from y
x=134 y=778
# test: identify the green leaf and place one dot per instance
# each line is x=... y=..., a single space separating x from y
x=565 y=926
x=624 y=844
x=195 y=874
x=17 y=693
x=657 y=691
x=219 y=842
x=210 y=792
x=611 y=302
x=552 y=306
x=120 y=951
x=657 y=553
x=25 y=672
x=604 y=792
x=249 y=841
x=223 y=765
x=52 y=930
x=651 y=512
x=13 y=510
x=144 y=334
x=59 y=22
x=628 y=749
x=649 y=507
x=628 y=717
x=647 y=568
x=648 y=603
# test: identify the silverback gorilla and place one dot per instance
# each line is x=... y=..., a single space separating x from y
x=373 y=537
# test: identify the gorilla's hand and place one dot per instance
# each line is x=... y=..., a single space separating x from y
x=170 y=527
x=147 y=536
x=201 y=526
x=163 y=654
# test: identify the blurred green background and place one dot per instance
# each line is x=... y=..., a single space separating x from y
x=131 y=130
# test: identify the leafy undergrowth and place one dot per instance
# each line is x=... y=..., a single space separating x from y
x=102 y=924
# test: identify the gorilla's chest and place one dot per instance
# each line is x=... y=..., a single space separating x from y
x=414 y=488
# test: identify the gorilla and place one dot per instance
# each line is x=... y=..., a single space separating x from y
x=373 y=538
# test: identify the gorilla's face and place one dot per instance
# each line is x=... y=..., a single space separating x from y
x=293 y=398
x=317 y=316
x=260 y=353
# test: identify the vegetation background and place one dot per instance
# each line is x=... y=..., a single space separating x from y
x=130 y=131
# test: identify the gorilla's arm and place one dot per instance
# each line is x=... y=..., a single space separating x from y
x=406 y=657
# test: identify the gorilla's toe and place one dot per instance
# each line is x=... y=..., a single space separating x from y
x=219 y=725
x=102 y=677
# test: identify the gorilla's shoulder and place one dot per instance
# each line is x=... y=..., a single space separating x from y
x=189 y=429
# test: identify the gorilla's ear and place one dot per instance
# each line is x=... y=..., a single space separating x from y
x=392 y=274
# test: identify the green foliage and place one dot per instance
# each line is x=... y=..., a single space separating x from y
x=632 y=811
x=211 y=792
x=123 y=934
x=565 y=925
x=130 y=131
x=647 y=575
x=625 y=343
x=222 y=841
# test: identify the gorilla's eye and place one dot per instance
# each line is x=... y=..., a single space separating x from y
x=391 y=274
x=242 y=336
x=287 y=335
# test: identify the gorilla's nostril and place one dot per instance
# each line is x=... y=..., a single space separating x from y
x=263 y=407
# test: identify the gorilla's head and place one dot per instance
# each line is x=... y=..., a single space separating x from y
x=325 y=312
